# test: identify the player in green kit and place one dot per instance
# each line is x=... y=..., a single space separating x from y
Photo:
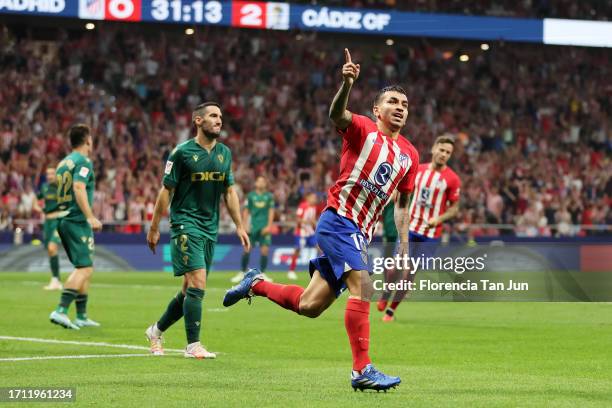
x=389 y=240
x=51 y=239
x=260 y=207
x=75 y=188
x=197 y=174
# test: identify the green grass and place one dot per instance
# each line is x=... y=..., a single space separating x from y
x=448 y=354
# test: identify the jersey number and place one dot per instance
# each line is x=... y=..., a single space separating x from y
x=64 y=184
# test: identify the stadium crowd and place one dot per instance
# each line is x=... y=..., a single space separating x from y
x=587 y=9
x=532 y=123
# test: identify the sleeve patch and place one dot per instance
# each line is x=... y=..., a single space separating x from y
x=169 y=165
x=83 y=172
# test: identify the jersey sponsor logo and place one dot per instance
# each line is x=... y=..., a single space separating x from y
x=168 y=168
x=83 y=172
x=425 y=192
x=220 y=158
x=260 y=204
x=208 y=176
x=383 y=174
x=372 y=188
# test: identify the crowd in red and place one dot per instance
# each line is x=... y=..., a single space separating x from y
x=532 y=123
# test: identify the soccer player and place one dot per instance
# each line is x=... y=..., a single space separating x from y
x=389 y=240
x=76 y=223
x=376 y=160
x=51 y=239
x=197 y=174
x=304 y=230
x=436 y=200
x=260 y=207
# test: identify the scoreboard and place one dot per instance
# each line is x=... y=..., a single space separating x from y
x=285 y=16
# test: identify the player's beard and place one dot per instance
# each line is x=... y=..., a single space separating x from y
x=209 y=134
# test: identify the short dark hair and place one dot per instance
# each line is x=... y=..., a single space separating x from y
x=445 y=139
x=78 y=134
x=391 y=88
x=200 y=108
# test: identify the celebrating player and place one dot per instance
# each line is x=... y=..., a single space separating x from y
x=260 y=207
x=436 y=201
x=51 y=239
x=198 y=172
x=76 y=223
x=376 y=160
x=304 y=230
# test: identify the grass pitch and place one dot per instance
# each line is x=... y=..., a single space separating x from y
x=447 y=354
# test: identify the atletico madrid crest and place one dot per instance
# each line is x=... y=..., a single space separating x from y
x=403 y=159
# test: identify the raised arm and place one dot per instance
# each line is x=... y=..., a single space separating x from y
x=338 y=113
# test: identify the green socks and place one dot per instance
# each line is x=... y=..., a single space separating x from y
x=68 y=295
x=54 y=261
x=244 y=262
x=192 y=311
x=173 y=312
x=81 y=306
x=263 y=263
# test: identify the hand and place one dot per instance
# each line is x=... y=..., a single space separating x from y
x=265 y=231
x=244 y=239
x=152 y=238
x=95 y=223
x=434 y=222
x=350 y=71
x=402 y=249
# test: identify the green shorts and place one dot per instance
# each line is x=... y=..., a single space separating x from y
x=78 y=241
x=50 y=232
x=190 y=252
x=256 y=237
x=389 y=239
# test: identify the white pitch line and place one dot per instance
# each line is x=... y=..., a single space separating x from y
x=125 y=286
x=75 y=357
x=82 y=343
x=89 y=343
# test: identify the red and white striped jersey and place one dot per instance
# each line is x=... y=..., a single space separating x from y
x=433 y=190
x=372 y=166
x=307 y=216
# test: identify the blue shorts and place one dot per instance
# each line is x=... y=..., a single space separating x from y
x=421 y=245
x=303 y=242
x=344 y=248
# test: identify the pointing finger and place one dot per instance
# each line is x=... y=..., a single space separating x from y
x=347 y=55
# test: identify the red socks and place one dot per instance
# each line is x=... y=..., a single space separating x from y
x=394 y=305
x=287 y=296
x=357 y=323
x=293 y=263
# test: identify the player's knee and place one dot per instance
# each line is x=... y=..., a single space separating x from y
x=310 y=309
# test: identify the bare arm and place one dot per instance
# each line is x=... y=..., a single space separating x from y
x=161 y=205
x=80 y=195
x=450 y=213
x=270 y=219
x=402 y=220
x=233 y=206
x=338 y=113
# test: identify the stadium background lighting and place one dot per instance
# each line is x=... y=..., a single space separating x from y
x=484 y=46
x=464 y=58
x=90 y=26
x=389 y=41
x=189 y=31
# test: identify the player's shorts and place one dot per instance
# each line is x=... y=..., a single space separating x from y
x=257 y=237
x=50 y=233
x=303 y=242
x=421 y=245
x=78 y=241
x=344 y=248
x=190 y=252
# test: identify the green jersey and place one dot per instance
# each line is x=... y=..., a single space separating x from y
x=198 y=178
x=259 y=207
x=75 y=167
x=48 y=192
x=389 y=228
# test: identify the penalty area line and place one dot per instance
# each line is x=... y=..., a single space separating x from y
x=82 y=356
